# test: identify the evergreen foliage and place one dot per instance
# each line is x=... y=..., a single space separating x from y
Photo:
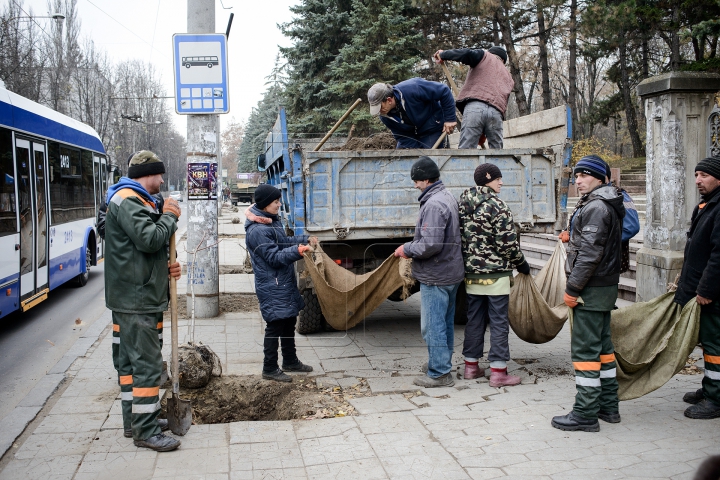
x=385 y=47
x=262 y=118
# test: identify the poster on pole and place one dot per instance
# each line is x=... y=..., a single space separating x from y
x=201 y=180
x=201 y=73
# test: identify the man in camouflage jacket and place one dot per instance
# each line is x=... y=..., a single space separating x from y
x=491 y=249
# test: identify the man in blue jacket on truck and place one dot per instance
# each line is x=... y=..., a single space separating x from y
x=416 y=111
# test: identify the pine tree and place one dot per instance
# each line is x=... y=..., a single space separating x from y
x=262 y=118
x=318 y=31
x=385 y=47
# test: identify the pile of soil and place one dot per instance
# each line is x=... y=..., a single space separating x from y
x=250 y=398
x=379 y=141
x=229 y=302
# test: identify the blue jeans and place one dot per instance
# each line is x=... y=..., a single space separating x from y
x=437 y=326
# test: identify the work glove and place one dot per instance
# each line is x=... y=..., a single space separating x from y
x=171 y=206
x=256 y=218
x=564 y=236
x=570 y=301
x=400 y=252
x=304 y=248
x=524 y=268
x=175 y=270
x=481 y=140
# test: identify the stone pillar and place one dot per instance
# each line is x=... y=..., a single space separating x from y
x=677 y=107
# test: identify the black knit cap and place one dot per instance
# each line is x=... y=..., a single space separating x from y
x=709 y=165
x=486 y=173
x=500 y=52
x=145 y=163
x=266 y=194
x=424 y=169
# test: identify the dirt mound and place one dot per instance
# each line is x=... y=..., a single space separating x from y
x=229 y=302
x=197 y=363
x=379 y=141
x=250 y=398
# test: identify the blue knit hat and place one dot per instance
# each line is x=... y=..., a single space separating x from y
x=594 y=166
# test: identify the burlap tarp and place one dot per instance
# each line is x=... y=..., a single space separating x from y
x=652 y=343
x=345 y=298
x=538 y=313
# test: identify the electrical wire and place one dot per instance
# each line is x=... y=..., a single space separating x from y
x=33 y=20
x=163 y=54
x=157 y=14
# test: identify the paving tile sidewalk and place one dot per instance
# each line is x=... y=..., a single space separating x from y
x=467 y=431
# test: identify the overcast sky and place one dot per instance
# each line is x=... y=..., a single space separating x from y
x=143 y=29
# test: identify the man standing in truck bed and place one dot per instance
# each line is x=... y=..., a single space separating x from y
x=483 y=99
x=416 y=111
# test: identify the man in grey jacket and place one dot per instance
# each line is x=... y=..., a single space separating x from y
x=438 y=266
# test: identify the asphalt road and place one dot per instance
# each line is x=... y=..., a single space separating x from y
x=31 y=343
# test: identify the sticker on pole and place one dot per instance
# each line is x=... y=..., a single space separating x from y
x=202 y=181
x=201 y=73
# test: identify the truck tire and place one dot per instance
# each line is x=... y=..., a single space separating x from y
x=310 y=318
x=461 y=305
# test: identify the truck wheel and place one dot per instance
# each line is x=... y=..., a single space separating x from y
x=310 y=318
x=461 y=306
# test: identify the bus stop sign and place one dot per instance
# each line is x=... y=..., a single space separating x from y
x=201 y=73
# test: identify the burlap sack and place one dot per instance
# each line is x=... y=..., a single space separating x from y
x=345 y=298
x=652 y=343
x=537 y=311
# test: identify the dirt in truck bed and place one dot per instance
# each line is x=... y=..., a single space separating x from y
x=379 y=141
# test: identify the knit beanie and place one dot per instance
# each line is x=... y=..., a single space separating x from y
x=266 y=194
x=424 y=169
x=709 y=165
x=486 y=173
x=594 y=166
x=500 y=52
x=145 y=163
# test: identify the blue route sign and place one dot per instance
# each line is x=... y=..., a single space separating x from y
x=201 y=73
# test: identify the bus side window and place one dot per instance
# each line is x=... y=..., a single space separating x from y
x=8 y=217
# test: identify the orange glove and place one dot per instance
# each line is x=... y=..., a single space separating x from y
x=400 y=252
x=481 y=140
x=304 y=248
x=564 y=236
x=171 y=206
x=175 y=270
x=570 y=301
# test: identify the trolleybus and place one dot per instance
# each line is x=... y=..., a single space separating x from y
x=53 y=173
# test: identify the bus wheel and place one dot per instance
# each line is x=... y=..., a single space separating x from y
x=187 y=65
x=209 y=65
x=310 y=318
x=82 y=279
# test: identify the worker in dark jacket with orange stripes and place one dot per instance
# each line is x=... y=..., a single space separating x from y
x=593 y=272
x=136 y=290
x=699 y=279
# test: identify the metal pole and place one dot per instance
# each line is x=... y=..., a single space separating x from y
x=203 y=147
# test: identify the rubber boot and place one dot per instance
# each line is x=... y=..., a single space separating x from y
x=500 y=378
x=471 y=370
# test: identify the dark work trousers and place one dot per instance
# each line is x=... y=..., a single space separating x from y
x=125 y=377
x=484 y=310
x=279 y=332
x=710 y=339
x=593 y=353
x=139 y=368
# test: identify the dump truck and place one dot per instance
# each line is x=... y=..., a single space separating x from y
x=243 y=190
x=362 y=204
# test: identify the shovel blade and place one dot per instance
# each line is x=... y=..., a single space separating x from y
x=179 y=415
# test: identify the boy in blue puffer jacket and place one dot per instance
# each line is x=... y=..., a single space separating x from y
x=273 y=253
